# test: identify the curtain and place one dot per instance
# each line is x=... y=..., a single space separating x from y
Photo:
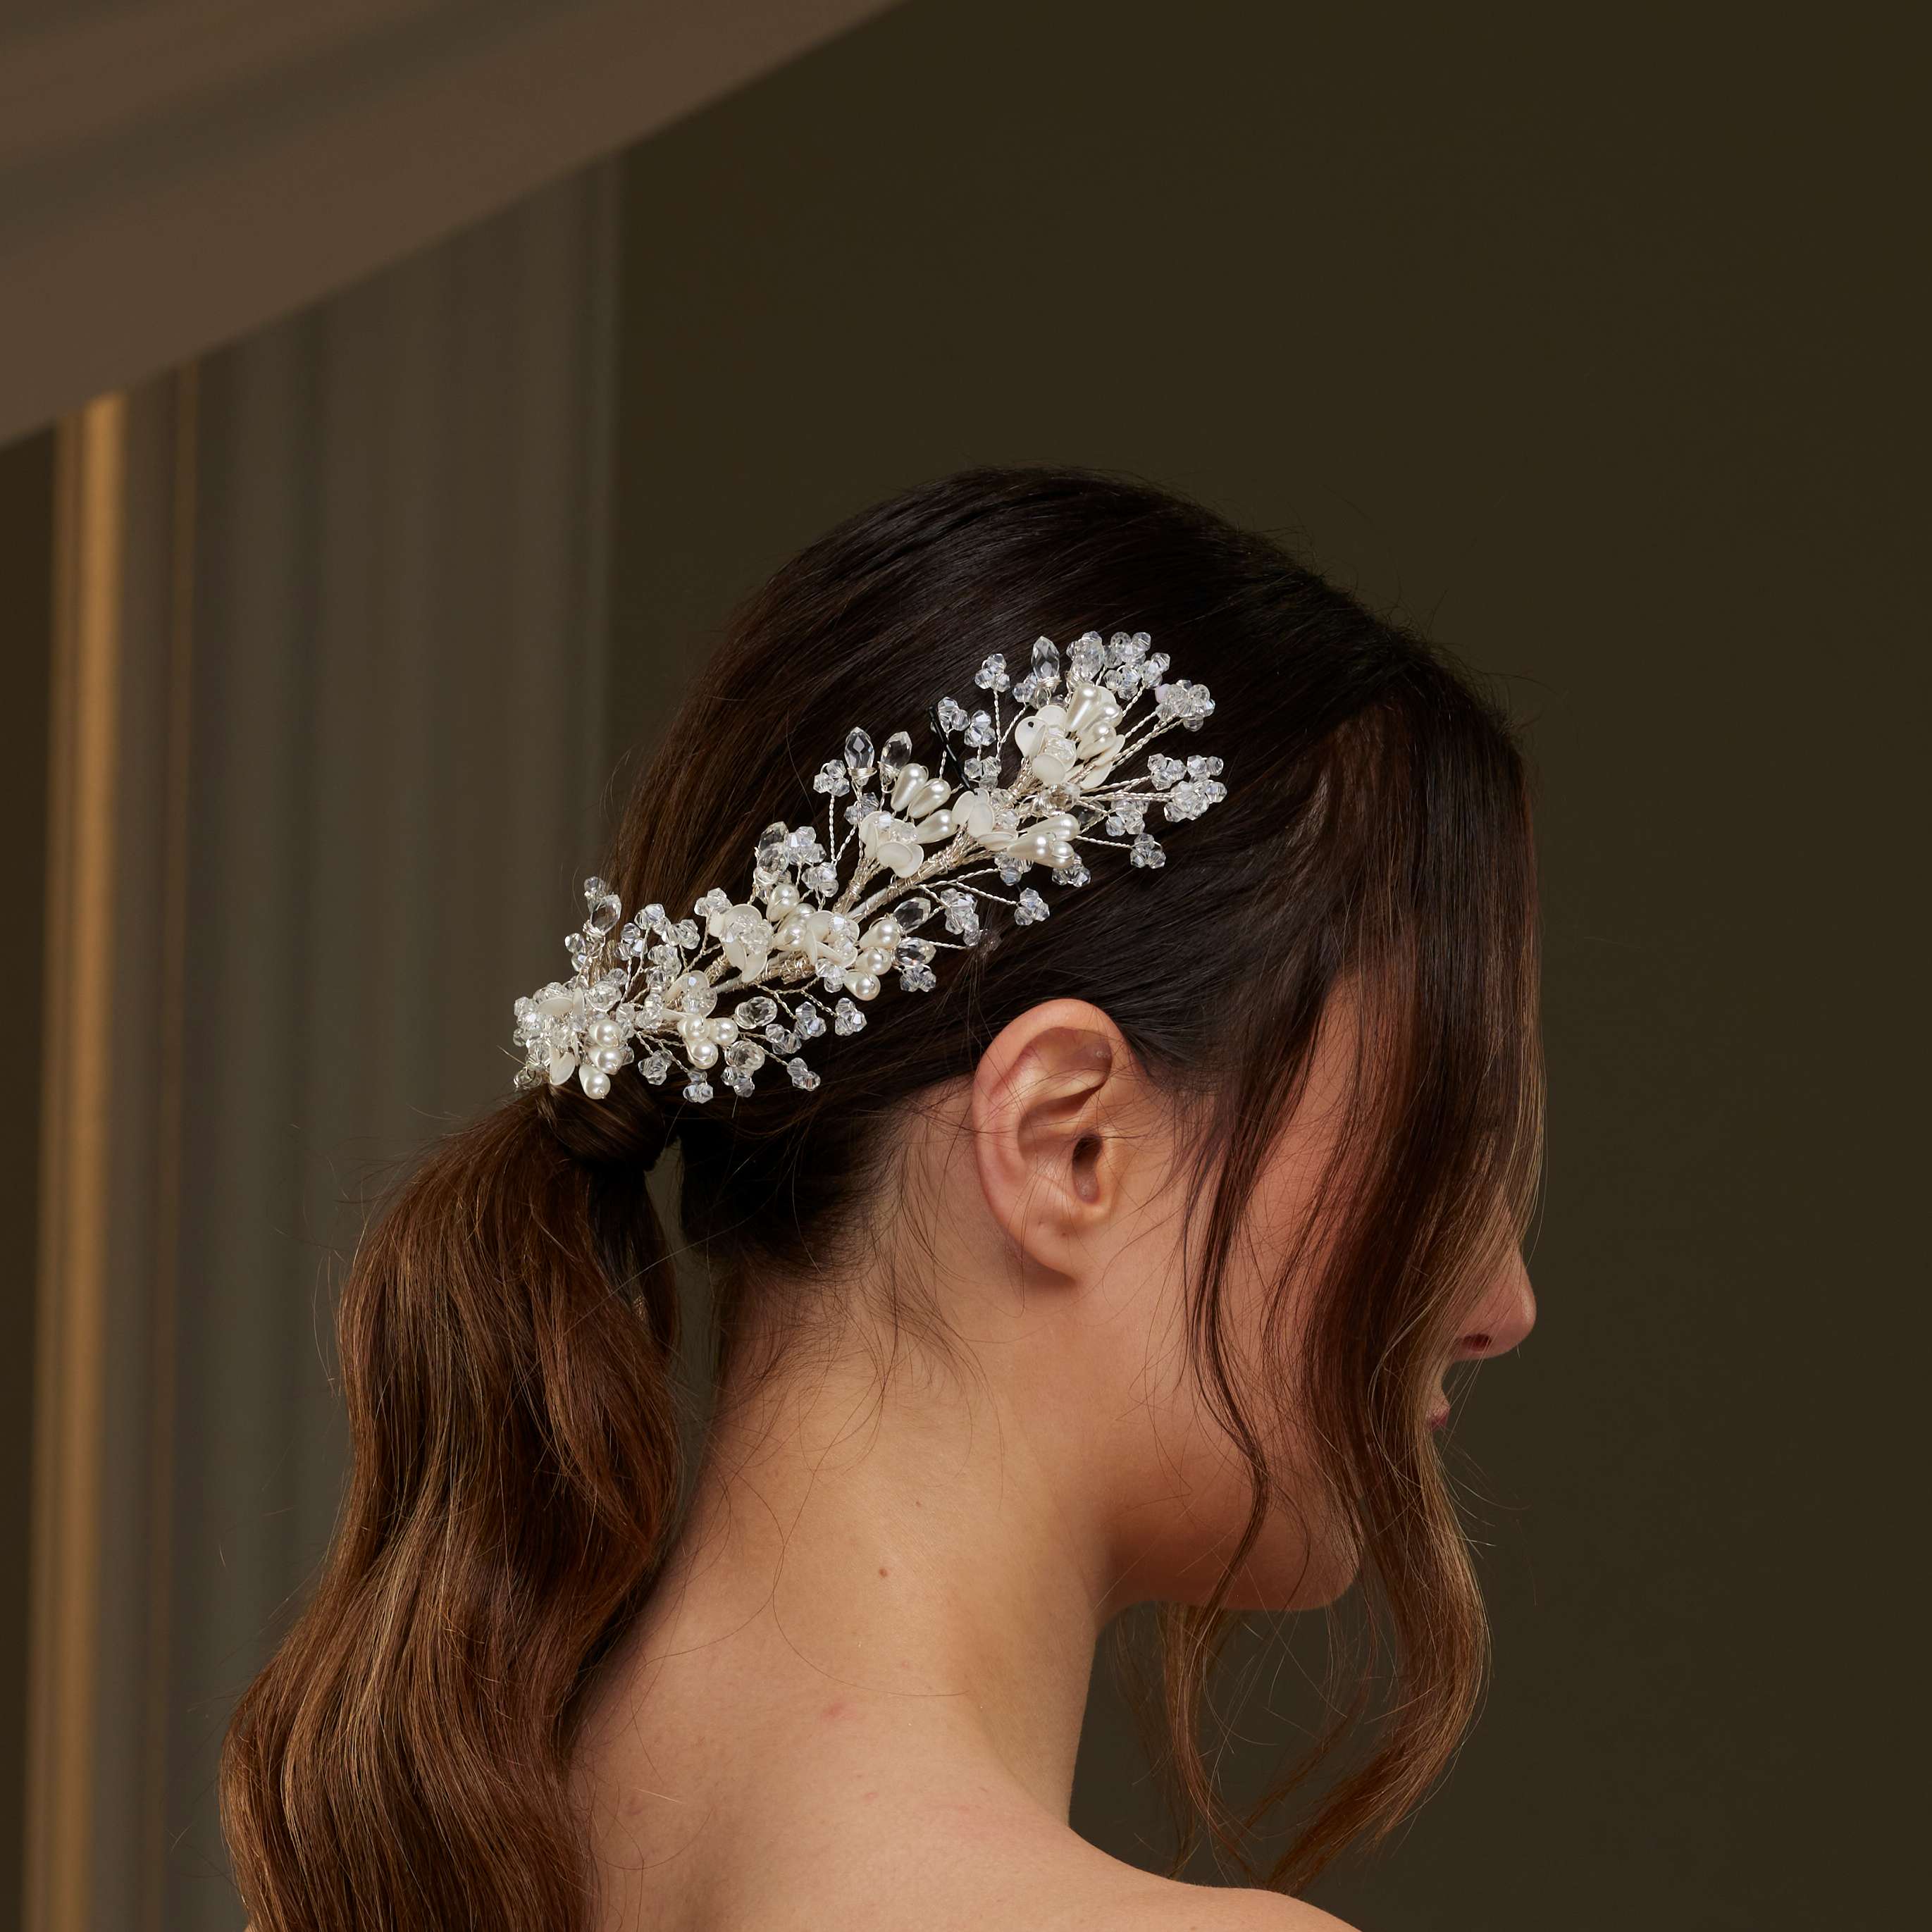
x=327 y=767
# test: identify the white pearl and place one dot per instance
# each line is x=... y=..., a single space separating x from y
x=606 y=1059
x=911 y=778
x=1083 y=706
x=863 y=985
x=604 y=1033
x=883 y=931
x=703 y=1053
x=936 y=827
x=789 y=937
x=594 y=1084
x=928 y=798
x=874 y=960
x=1060 y=853
x=691 y=1025
x=723 y=1031
x=781 y=899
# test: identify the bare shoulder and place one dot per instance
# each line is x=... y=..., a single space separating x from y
x=1168 y=1906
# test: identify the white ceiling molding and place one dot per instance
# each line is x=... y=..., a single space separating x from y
x=175 y=172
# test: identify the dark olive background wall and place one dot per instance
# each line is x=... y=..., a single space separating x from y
x=26 y=621
x=1582 y=337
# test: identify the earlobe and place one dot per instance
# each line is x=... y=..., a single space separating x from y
x=1047 y=1099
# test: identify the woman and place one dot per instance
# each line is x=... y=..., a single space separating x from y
x=1090 y=1223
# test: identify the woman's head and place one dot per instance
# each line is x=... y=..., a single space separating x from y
x=1252 y=1134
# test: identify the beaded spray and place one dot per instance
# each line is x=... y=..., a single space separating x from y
x=723 y=991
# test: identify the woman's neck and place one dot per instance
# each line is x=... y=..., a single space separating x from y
x=881 y=1580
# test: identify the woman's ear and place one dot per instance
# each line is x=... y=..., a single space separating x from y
x=1054 y=1102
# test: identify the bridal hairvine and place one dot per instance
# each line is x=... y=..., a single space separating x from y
x=728 y=985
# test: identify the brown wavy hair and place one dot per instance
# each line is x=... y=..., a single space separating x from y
x=509 y=1329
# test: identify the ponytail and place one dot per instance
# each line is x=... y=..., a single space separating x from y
x=507 y=1336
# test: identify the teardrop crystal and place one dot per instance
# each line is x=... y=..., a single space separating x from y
x=606 y=913
x=594 y=890
x=912 y=913
x=858 y=751
x=891 y=759
x=1046 y=660
x=771 y=849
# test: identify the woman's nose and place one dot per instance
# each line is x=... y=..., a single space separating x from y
x=1507 y=1314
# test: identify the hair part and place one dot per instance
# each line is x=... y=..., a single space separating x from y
x=508 y=1327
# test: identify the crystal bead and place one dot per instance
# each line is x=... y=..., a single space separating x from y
x=913 y=912
x=992 y=675
x=1011 y=869
x=1088 y=657
x=594 y=890
x=698 y=1091
x=771 y=847
x=1046 y=662
x=746 y=1056
x=1147 y=851
x=962 y=915
x=832 y=779
x=810 y=1020
x=696 y=995
x=858 y=753
x=1030 y=909
x=606 y=913
x=847 y=1018
x=802 y=1075
x=892 y=758
x=654 y=1067
x=782 y=1039
x=916 y=977
x=1075 y=875
x=740 y=1084
x=687 y=934
x=756 y=1012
